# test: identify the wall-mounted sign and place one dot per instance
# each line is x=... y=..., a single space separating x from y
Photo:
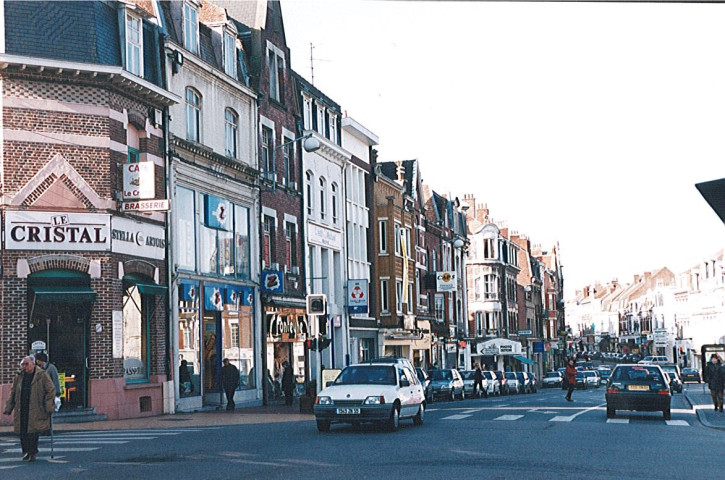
x=57 y=231
x=326 y=237
x=445 y=281
x=138 y=181
x=137 y=238
x=272 y=281
x=525 y=332
x=217 y=212
x=538 y=347
x=160 y=205
x=357 y=296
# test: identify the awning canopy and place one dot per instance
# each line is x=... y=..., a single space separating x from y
x=523 y=360
x=63 y=294
x=714 y=194
x=151 y=289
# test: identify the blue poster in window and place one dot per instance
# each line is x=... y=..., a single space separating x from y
x=214 y=297
x=188 y=292
x=247 y=296
x=234 y=297
x=217 y=213
x=272 y=281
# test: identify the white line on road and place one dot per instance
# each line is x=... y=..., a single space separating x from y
x=572 y=417
x=90 y=442
x=455 y=417
x=677 y=423
x=561 y=419
x=47 y=450
x=508 y=417
x=618 y=420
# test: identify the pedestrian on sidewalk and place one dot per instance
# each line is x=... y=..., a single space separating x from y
x=570 y=379
x=288 y=383
x=31 y=402
x=478 y=382
x=41 y=360
x=715 y=378
x=230 y=382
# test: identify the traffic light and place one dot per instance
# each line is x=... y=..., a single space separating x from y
x=311 y=344
x=322 y=325
x=323 y=343
x=316 y=304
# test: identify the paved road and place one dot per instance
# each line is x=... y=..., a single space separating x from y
x=536 y=436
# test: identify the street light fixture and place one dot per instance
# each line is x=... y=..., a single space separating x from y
x=310 y=144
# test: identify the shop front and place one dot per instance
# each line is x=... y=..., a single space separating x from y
x=500 y=354
x=287 y=330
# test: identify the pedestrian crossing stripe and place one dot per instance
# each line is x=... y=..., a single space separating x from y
x=562 y=419
x=677 y=423
x=509 y=417
x=618 y=420
x=455 y=417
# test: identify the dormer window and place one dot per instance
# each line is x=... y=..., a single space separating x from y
x=134 y=45
x=230 y=55
x=276 y=66
x=191 y=28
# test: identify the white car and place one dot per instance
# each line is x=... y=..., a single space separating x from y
x=552 y=379
x=592 y=378
x=381 y=393
x=653 y=360
x=492 y=383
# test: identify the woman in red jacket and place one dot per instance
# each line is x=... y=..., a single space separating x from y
x=570 y=378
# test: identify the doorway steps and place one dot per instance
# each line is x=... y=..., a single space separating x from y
x=81 y=415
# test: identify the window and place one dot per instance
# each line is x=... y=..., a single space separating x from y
x=321 y=120
x=133 y=155
x=333 y=128
x=134 y=45
x=230 y=55
x=410 y=298
x=185 y=230
x=291 y=242
x=267 y=151
x=242 y=263
x=366 y=349
x=231 y=126
x=399 y=296
x=439 y=307
x=384 y=300
x=138 y=312
x=434 y=260
x=275 y=63
x=383 y=231
x=193 y=115
x=477 y=288
x=479 y=324
x=288 y=167
x=488 y=248
x=308 y=190
x=333 y=202
x=191 y=28
x=307 y=112
x=268 y=246
x=323 y=194
x=490 y=286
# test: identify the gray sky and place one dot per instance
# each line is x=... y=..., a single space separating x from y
x=586 y=124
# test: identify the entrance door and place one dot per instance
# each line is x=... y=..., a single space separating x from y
x=63 y=328
x=211 y=360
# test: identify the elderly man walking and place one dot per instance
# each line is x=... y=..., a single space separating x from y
x=715 y=377
x=31 y=400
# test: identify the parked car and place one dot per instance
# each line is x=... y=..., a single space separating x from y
x=382 y=393
x=534 y=381
x=552 y=379
x=581 y=381
x=505 y=389
x=492 y=383
x=447 y=383
x=469 y=382
x=656 y=359
x=691 y=375
x=638 y=387
x=673 y=371
x=513 y=382
x=525 y=385
x=401 y=360
x=424 y=380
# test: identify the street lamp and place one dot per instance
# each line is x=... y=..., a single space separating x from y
x=310 y=144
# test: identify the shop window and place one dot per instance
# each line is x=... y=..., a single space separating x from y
x=189 y=332
x=138 y=310
x=185 y=235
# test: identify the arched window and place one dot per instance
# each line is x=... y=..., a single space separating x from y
x=193 y=115
x=333 y=202
x=323 y=194
x=231 y=127
x=309 y=200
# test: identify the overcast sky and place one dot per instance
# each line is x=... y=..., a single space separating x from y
x=586 y=124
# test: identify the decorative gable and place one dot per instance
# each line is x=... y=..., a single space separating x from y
x=59 y=186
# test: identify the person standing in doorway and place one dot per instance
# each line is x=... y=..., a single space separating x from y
x=230 y=381
x=288 y=382
x=41 y=360
x=715 y=378
x=31 y=400
x=570 y=379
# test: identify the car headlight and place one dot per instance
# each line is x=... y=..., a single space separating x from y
x=324 y=401
x=374 y=400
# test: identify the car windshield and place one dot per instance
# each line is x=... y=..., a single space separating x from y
x=367 y=375
x=442 y=375
x=552 y=375
x=689 y=370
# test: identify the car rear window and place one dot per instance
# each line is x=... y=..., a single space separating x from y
x=368 y=375
x=552 y=375
x=637 y=373
x=488 y=375
x=511 y=375
x=467 y=375
x=442 y=375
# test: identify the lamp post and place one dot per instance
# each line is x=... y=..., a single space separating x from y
x=310 y=144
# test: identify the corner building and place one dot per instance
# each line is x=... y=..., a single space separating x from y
x=82 y=280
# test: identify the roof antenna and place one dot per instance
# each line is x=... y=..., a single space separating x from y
x=312 y=65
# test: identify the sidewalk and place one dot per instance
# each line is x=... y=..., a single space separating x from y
x=240 y=416
x=698 y=395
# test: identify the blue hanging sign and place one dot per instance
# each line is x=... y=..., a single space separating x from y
x=217 y=213
x=188 y=291
x=272 y=281
x=214 y=297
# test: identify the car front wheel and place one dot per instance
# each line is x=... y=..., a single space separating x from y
x=420 y=417
x=394 y=420
x=323 y=426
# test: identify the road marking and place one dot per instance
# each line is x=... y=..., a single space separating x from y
x=509 y=417
x=677 y=423
x=562 y=419
x=90 y=442
x=455 y=417
x=618 y=420
x=47 y=450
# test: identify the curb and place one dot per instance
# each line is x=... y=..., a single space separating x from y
x=701 y=416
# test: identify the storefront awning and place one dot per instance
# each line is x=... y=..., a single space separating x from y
x=523 y=360
x=63 y=294
x=151 y=289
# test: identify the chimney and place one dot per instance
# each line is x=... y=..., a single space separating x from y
x=482 y=213
x=400 y=172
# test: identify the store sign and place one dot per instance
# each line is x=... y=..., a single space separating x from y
x=272 y=281
x=138 y=181
x=320 y=235
x=57 y=231
x=538 y=347
x=357 y=296
x=488 y=351
x=286 y=327
x=445 y=281
x=159 y=205
x=137 y=238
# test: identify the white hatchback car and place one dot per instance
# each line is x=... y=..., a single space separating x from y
x=381 y=393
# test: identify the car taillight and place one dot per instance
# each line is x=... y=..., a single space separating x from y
x=663 y=392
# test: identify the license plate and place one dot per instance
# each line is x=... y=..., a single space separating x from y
x=347 y=411
x=638 y=387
